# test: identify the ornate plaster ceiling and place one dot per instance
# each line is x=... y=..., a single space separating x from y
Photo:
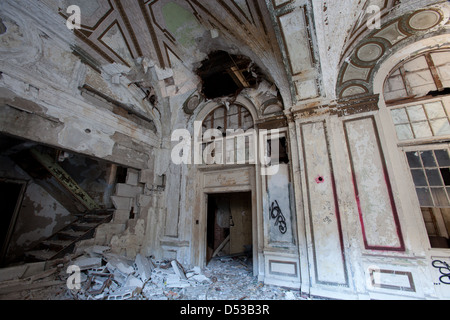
x=367 y=48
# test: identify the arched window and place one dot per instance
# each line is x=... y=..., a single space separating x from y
x=226 y=118
x=425 y=75
x=416 y=90
x=416 y=93
x=228 y=130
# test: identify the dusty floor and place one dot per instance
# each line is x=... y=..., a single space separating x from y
x=227 y=278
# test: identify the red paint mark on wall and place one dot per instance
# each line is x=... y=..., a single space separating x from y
x=320 y=179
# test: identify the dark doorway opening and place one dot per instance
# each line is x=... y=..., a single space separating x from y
x=10 y=198
x=229 y=225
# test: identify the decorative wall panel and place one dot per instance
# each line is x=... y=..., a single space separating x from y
x=392 y=280
x=296 y=39
x=376 y=206
x=325 y=222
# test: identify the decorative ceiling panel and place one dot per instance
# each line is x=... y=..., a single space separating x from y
x=359 y=63
x=296 y=37
x=122 y=30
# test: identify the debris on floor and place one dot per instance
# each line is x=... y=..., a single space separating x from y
x=106 y=276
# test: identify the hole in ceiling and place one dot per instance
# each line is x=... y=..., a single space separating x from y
x=224 y=74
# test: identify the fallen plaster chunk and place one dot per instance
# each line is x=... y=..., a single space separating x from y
x=118 y=263
x=200 y=278
x=96 y=251
x=119 y=278
x=178 y=270
x=132 y=281
x=290 y=295
x=173 y=281
x=88 y=263
x=225 y=278
x=144 y=267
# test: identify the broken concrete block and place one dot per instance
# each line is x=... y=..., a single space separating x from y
x=121 y=267
x=122 y=294
x=144 y=200
x=85 y=263
x=144 y=267
x=121 y=216
x=197 y=270
x=174 y=281
x=147 y=176
x=118 y=263
x=125 y=190
x=163 y=73
x=102 y=272
x=200 y=278
x=290 y=295
x=95 y=251
x=119 y=277
x=132 y=281
x=215 y=33
x=121 y=203
x=132 y=177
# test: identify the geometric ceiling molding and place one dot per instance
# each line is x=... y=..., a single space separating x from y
x=114 y=39
x=297 y=41
x=424 y=20
x=192 y=103
x=106 y=32
x=370 y=52
x=358 y=67
x=118 y=31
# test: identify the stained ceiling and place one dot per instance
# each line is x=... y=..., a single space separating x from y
x=299 y=45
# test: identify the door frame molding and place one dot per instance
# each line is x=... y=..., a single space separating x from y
x=213 y=180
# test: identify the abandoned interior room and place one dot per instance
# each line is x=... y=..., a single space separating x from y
x=302 y=145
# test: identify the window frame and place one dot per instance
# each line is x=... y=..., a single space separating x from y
x=445 y=100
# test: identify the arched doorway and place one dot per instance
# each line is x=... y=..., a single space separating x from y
x=227 y=216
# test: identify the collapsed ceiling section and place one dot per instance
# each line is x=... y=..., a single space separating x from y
x=224 y=74
x=175 y=36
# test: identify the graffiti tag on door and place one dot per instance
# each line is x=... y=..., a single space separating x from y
x=280 y=220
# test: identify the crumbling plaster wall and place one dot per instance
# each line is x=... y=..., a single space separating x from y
x=172 y=219
x=82 y=125
x=41 y=77
x=177 y=217
x=41 y=101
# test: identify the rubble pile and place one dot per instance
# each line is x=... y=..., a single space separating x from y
x=106 y=276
